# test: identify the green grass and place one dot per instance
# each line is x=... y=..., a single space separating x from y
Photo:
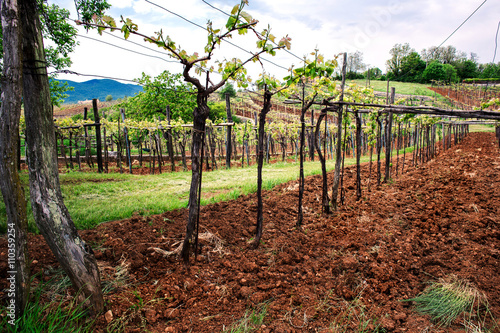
x=482 y=128
x=56 y=316
x=94 y=198
x=450 y=298
x=406 y=88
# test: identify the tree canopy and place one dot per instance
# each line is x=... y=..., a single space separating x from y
x=164 y=90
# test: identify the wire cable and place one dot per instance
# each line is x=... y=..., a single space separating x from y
x=66 y=71
x=129 y=50
x=462 y=23
x=199 y=26
x=496 y=43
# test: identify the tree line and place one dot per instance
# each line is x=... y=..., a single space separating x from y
x=444 y=64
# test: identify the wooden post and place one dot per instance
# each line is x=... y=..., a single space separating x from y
x=98 y=136
x=70 y=149
x=256 y=131
x=169 y=142
x=311 y=138
x=106 y=157
x=87 y=145
x=229 y=132
x=119 y=148
x=388 y=138
x=127 y=143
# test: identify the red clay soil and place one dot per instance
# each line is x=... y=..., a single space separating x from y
x=437 y=220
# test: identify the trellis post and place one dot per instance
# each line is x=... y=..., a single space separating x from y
x=229 y=147
x=98 y=139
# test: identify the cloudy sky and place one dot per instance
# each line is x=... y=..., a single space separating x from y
x=331 y=26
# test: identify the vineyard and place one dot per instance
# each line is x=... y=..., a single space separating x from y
x=327 y=207
x=343 y=272
x=160 y=146
x=468 y=96
x=394 y=229
x=405 y=241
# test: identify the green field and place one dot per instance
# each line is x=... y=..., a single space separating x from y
x=405 y=88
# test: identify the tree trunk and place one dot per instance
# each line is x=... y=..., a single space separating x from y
x=18 y=270
x=300 y=215
x=358 y=155
x=260 y=162
x=51 y=215
x=199 y=124
x=338 y=157
x=325 y=200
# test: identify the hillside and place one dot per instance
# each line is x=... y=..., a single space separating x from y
x=99 y=89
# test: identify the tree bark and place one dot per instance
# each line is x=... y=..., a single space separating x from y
x=260 y=161
x=300 y=215
x=51 y=215
x=10 y=183
x=358 y=155
x=199 y=124
x=325 y=200
x=338 y=157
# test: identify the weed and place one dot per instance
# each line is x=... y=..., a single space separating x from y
x=451 y=297
x=251 y=321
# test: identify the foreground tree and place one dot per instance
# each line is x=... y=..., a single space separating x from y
x=239 y=22
x=10 y=183
x=23 y=35
x=51 y=215
x=62 y=37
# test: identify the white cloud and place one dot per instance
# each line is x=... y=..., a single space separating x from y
x=120 y=3
x=372 y=27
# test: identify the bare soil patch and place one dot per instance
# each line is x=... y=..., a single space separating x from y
x=435 y=220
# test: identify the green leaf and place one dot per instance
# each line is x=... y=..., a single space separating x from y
x=235 y=9
x=246 y=16
x=230 y=22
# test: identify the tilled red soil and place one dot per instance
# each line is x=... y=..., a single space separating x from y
x=437 y=220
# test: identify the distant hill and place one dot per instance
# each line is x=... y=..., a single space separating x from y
x=99 y=89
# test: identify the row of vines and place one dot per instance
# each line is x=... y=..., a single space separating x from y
x=166 y=145
x=468 y=96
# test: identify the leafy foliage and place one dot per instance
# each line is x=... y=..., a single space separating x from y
x=227 y=89
x=434 y=72
x=164 y=90
x=58 y=91
x=317 y=72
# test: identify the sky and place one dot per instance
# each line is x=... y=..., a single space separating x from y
x=372 y=27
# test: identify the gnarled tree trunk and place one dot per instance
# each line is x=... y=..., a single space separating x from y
x=338 y=155
x=51 y=215
x=199 y=125
x=18 y=270
x=260 y=161
x=325 y=201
